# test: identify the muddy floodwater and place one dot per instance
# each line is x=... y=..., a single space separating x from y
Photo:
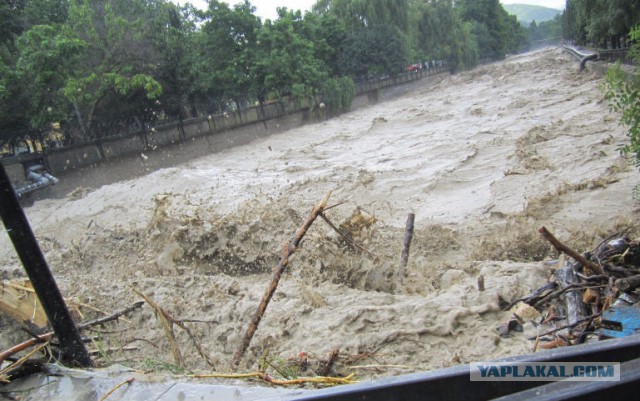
x=483 y=158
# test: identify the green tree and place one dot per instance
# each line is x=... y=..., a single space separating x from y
x=357 y=14
x=622 y=16
x=430 y=33
x=533 y=32
x=327 y=33
x=13 y=103
x=622 y=90
x=517 y=39
x=552 y=29
x=380 y=49
x=11 y=21
x=597 y=22
x=45 y=12
x=12 y=117
x=286 y=62
x=438 y=33
x=47 y=57
x=171 y=31
x=489 y=25
x=337 y=94
x=227 y=44
x=114 y=67
x=496 y=31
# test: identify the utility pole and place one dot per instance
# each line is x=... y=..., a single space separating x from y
x=24 y=241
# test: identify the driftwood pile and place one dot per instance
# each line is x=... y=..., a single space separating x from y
x=591 y=296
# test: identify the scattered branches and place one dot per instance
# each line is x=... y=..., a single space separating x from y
x=48 y=336
x=287 y=252
x=587 y=302
x=167 y=325
x=265 y=377
x=567 y=326
x=408 y=236
x=348 y=238
x=167 y=321
x=4 y=372
x=573 y=287
x=328 y=365
x=116 y=387
x=560 y=247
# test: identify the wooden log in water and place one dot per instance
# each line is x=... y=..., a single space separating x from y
x=287 y=252
x=408 y=237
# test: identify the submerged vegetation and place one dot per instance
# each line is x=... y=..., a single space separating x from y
x=622 y=89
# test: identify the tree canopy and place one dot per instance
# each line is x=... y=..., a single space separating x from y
x=92 y=65
x=597 y=22
x=622 y=90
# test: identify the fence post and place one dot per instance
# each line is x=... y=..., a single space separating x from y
x=24 y=241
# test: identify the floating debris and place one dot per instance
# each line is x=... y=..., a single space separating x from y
x=593 y=297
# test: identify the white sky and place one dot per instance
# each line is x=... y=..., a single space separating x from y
x=267 y=8
x=557 y=4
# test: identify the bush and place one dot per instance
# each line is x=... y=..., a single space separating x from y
x=337 y=94
x=622 y=90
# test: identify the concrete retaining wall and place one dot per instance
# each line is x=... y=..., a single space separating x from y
x=72 y=158
x=196 y=137
x=117 y=147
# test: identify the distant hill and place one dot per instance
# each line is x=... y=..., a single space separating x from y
x=527 y=13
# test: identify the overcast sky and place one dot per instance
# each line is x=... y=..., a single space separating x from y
x=267 y=8
x=264 y=8
x=557 y=4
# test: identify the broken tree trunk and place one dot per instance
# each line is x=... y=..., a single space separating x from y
x=560 y=247
x=408 y=236
x=287 y=252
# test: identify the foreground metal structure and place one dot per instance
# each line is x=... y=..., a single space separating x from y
x=443 y=384
x=454 y=383
x=30 y=254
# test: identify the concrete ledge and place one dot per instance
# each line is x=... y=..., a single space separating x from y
x=99 y=163
x=122 y=146
x=65 y=159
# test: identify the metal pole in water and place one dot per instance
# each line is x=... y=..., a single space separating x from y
x=24 y=241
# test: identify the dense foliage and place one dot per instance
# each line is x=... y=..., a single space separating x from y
x=623 y=92
x=545 y=31
x=602 y=23
x=612 y=24
x=497 y=32
x=104 y=67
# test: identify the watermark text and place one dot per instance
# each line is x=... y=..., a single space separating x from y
x=544 y=371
